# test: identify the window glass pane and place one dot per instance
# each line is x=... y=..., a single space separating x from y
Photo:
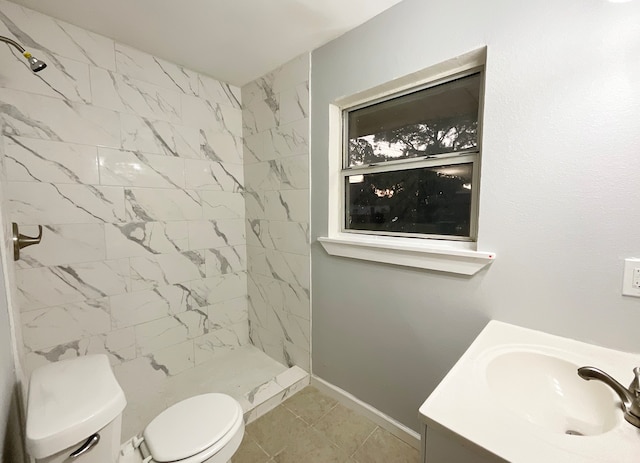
x=436 y=120
x=428 y=200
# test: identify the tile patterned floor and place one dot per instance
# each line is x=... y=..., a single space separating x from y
x=311 y=427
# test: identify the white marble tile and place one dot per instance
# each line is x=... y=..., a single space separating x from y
x=146 y=204
x=145 y=135
x=296 y=300
x=179 y=297
x=290 y=173
x=41 y=32
x=160 y=333
x=231 y=312
x=297 y=355
x=175 y=359
x=291 y=377
x=282 y=266
x=120 y=93
x=298 y=385
x=143 y=66
x=294 y=172
x=253 y=148
x=257 y=299
x=61 y=324
x=142 y=380
x=145 y=238
x=288 y=205
x=35 y=160
x=290 y=74
x=165 y=269
x=64 y=78
x=198 y=112
x=50 y=286
x=64 y=244
x=257 y=260
x=221 y=340
x=270 y=296
x=221 y=146
x=143 y=306
x=118 y=345
x=265 y=391
x=229 y=259
x=209 y=291
x=255 y=205
x=283 y=236
x=140 y=375
x=261 y=177
x=221 y=205
x=207 y=234
x=232 y=119
x=46 y=203
x=287 y=140
x=262 y=115
x=292 y=328
x=270 y=343
x=41 y=357
x=36 y=116
x=219 y=92
x=128 y=168
x=257 y=90
x=294 y=103
x=280 y=142
x=262 y=409
x=207 y=175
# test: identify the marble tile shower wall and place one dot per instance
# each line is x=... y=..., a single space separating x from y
x=276 y=156
x=134 y=167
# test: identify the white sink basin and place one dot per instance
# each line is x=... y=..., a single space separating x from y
x=547 y=391
x=516 y=394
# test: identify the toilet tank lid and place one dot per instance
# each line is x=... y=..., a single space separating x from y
x=70 y=400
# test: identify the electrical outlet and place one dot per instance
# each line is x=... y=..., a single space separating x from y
x=631 y=278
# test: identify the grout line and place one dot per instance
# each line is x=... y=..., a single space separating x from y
x=260 y=447
x=364 y=441
x=324 y=415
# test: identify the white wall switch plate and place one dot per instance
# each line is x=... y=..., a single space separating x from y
x=631 y=278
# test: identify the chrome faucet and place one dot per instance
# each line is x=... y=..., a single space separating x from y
x=630 y=396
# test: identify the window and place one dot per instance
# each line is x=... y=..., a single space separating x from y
x=404 y=169
x=411 y=162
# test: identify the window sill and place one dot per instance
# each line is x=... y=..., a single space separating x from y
x=405 y=252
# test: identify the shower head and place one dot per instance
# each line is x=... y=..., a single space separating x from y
x=35 y=64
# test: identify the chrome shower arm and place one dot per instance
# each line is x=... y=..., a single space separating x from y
x=12 y=42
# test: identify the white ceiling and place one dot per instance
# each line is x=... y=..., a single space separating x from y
x=232 y=40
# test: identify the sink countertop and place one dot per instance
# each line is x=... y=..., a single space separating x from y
x=463 y=403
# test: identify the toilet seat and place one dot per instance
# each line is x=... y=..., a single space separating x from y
x=195 y=429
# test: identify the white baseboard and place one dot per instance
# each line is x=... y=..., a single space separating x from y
x=386 y=422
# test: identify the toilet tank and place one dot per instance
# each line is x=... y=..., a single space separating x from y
x=70 y=401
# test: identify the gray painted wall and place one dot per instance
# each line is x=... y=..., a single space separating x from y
x=558 y=203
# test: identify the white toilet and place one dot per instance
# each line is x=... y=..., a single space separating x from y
x=74 y=414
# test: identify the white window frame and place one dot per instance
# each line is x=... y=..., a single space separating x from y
x=447 y=255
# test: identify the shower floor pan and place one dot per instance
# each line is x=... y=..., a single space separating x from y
x=249 y=375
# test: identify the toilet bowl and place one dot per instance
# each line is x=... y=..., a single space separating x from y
x=74 y=414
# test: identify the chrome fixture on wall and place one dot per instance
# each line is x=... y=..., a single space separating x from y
x=35 y=64
x=21 y=241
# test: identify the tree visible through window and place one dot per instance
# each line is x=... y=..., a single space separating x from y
x=411 y=161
